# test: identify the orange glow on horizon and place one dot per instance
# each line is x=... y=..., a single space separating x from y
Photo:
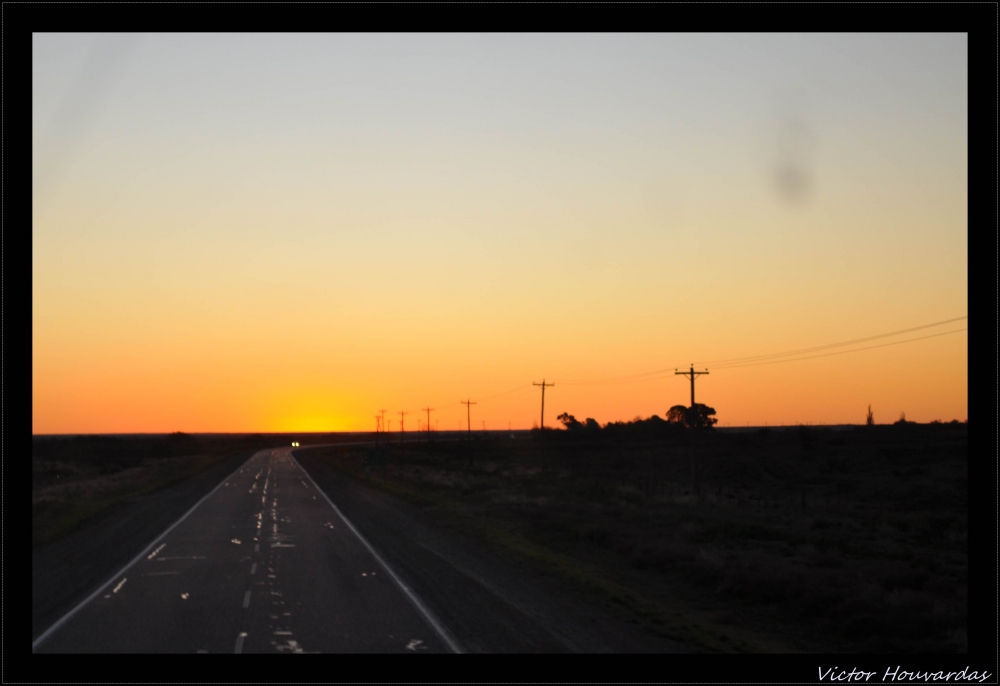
x=408 y=221
x=834 y=390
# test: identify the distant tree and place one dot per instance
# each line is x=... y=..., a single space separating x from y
x=870 y=418
x=701 y=416
x=902 y=419
x=592 y=424
x=697 y=416
x=569 y=421
x=677 y=415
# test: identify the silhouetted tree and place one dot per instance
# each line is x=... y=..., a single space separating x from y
x=701 y=416
x=569 y=421
x=592 y=424
x=902 y=418
x=677 y=415
x=692 y=417
x=869 y=418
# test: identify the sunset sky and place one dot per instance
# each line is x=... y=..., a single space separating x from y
x=237 y=233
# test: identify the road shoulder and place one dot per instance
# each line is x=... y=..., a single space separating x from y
x=64 y=571
x=489 y=599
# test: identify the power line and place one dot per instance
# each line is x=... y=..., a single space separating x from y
x=833 y=345
x=842 y=352
x=522 y=387
x=659 y=373
x=730 y=363
x=514 y=390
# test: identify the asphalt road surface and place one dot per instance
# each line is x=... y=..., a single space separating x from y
x=265 y=563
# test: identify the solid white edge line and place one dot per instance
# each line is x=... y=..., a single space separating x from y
x=443 y=633
x=62 y=620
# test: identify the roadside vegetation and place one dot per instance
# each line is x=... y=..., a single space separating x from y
x=76 y=478
x=801 y=539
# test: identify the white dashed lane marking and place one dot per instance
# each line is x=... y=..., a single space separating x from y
x=246 y=600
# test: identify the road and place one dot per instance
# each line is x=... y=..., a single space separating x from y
x=265 y=563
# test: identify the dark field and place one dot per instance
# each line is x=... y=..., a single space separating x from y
x=805 y=539
x=75 y=479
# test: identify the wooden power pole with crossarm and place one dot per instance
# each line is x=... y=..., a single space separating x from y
x=692 y=374
x=543 y=385
x=468 y=414
x=695 y=482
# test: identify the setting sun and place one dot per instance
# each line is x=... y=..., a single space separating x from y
x=451 y=220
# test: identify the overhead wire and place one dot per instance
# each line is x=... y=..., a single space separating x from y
x=839 y=352
x=749 y=361
x=445 y=406
x=731 y=363
x=833 y=345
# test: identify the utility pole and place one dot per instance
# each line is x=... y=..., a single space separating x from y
x=402 y=418
x=543 y=385
x=383 y=420
x=695 y=482
x=692 y=374
x=468 y=414
x=428 y=411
